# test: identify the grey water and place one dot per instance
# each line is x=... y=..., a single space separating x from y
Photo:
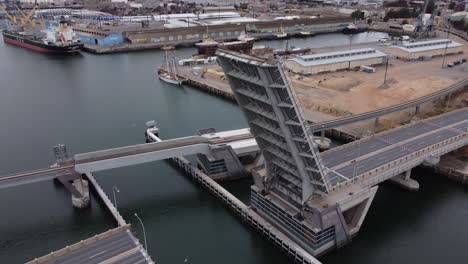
x=91 y=102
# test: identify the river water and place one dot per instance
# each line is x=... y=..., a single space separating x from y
x=91 y=102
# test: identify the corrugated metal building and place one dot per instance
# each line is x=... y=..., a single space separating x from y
x=416 y=50
x=312 y=24
x=334 y=61
x=96 y=37
x=185 y=35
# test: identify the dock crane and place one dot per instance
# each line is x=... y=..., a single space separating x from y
x=425 y=30
x=7 y=15
x=26 y=17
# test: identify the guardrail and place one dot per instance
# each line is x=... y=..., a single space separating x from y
x=404 y=163
x=66 y=250
x=315 y=127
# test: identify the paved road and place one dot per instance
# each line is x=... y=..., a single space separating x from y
x=119 y=247
x=380 y=149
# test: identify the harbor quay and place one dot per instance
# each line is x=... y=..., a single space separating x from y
x=144 y=38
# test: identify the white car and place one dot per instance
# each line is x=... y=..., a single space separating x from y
x=383 y=39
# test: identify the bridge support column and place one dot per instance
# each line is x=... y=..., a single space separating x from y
x=322 y=142
x=404 y=180
x=376 y=122
x=415 y=118
x=80 y=199
x=416 y=112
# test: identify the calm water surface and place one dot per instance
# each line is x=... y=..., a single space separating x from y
x=91 y=102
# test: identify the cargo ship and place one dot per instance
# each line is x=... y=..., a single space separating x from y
x=59 y=39
x=208 y=47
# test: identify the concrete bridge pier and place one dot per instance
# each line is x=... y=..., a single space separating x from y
x=415 y=117
x=432 y=160
x=80 y=199
x=404 y=180
x=322 y=142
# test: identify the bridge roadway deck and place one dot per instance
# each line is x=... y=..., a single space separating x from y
x=114 y=246
x=346 y=162
x=369 y=153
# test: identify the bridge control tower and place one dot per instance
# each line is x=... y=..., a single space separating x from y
x=292 y=189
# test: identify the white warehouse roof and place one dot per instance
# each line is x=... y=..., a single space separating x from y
x=428 y=45
x=338 y=56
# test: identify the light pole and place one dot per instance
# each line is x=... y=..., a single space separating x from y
x=144 y=232
x=114 y=189
x=446 y=46
x=386 y=69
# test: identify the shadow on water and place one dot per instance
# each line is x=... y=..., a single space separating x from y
x=406 y=227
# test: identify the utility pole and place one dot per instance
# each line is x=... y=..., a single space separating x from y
x=386 y=69
x=446 y=46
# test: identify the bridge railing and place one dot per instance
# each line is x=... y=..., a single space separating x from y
x=83 y=243
x=415 y=158
x=320 y=126
x=360 y=141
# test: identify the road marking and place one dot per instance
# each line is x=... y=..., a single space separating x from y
x=102 y=252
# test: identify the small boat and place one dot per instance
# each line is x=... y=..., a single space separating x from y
x=292 y=51
x=352 y=29
x=281 y=34
x=208 y=47
x=166 y=77
x=169 y=74
x=197 y=61
x=305 y=33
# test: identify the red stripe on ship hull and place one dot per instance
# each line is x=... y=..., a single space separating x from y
x=35 y=48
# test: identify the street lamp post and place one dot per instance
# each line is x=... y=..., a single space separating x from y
x=386 y=68
x=144 y=232
x=446 y=46
x=114 y=189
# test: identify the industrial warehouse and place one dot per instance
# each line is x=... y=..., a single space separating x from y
x=428 y=48
x=334 y=61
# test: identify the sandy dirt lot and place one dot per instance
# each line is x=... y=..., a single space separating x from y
x=349 y=92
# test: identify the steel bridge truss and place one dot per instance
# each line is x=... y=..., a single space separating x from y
x=294 y=168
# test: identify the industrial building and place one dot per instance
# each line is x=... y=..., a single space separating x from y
x=332 y=24
x=334 y=61
x=185 y=35
x=429 y=48
x=107 y=40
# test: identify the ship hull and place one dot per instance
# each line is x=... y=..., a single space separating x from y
x=210 y=49
x=177 y=82
x=351 y=31
x=35 y=45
